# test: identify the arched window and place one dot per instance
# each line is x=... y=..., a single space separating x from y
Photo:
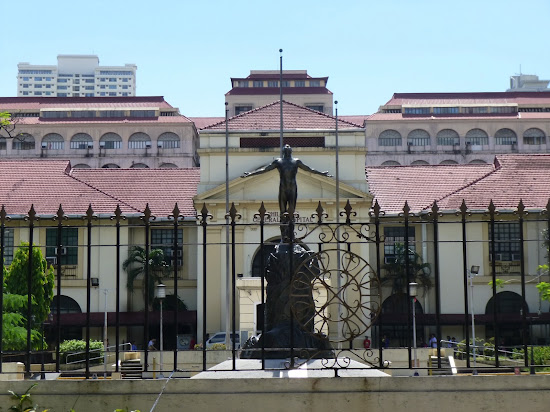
x=447 y=137
x=169 y=140
x=449 y=162
x=505 y=137
x=82 y=166
x=24 y=141
x=3 y=144
x=477 y=137
x=534 y=136
x=390 y=138
x=111 y=166
x=139 y=141
x=53 y=141
x=418 y=137
x=391 y=163
x=110 y=141
x=419 y=163
x=394 y=310
x=168 y=166
x=67 y=305
x=477 y=162
x=139 y=166
x=82 y=141
x=507 y=303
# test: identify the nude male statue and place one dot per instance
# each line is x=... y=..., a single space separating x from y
x=288 y=168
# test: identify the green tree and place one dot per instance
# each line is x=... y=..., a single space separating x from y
x=397 y=275
x=135 y=265
x=42 y=280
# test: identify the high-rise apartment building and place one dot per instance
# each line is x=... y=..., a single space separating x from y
x=76 y=76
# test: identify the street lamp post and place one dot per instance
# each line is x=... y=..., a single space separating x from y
x=474 y=270
x=161 y=294
x=413 y=291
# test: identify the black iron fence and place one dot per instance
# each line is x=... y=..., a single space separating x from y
x=357 y=275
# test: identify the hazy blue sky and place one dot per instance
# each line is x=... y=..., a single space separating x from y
x=187 y=51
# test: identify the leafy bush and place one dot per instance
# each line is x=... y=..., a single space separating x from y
x=218 y=346
x=74 y=346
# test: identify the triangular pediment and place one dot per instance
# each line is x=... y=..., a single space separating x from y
x=265 y=187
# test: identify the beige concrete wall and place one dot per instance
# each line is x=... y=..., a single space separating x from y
x=395 y=394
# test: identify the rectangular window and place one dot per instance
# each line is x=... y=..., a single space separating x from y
x=8 y=246
x=142 y=113
x=258 y=83
x=61 y=80
x=61 y=87
x=69 y=245
x=272 y=83
x=26 y=86
x=286 y=83
x=37 y=86
x=507 y=245
x=61 y=94
x=112 y=86
x=112 y=79
x=164 y=239
x=315 y=107
x=242 y=83
x=417 y=110
x=314 y=83
x=38 y=93
x=48 y=86
x=112 y=93
x=393 y=236
x=88 y=80
x=125 y=87
x=111 y=144
x=446 y=110
x=25 y=79
x=242 y=109
x=125 y=80
x=38 y=79
x=299 y=83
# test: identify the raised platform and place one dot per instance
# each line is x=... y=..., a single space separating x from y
x=276 y=368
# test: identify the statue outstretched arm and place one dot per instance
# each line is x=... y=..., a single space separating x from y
x=263 y=169
x=305 y=167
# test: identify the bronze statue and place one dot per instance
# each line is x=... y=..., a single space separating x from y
x=288 y=168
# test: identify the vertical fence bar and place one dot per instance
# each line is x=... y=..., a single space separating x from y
x=437 y=281
x=147 y=219
x=2 y=245
x=262 y=215
x=463 y=213
x=60 y=216
x=32 y=217
x=204 y=217
x=176 y=248
x=521 y=213
x=118 y=216
x=492 y=213
x=233 y=215
x=409 y=278
x=89 y=217
x=376 y=213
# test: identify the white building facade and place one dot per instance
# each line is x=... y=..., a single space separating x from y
x=76 y=76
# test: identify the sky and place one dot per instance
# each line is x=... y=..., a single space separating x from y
x=187 y=51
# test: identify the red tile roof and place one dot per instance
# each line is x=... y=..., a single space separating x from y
x=430 y=99
x=104 y=120
x=19 y=103
x=46 y=184
x=294 y=118
x=202 y=122
x=400 y=117
x=160 y=188
x=510 y=179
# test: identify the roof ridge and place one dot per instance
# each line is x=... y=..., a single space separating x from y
x=284 y=102
x=495 y=169
x=69 y=174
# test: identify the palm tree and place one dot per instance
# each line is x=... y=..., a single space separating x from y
x=399 y=277
x=135 y=265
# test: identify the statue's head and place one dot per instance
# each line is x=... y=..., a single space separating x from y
x=287 y=151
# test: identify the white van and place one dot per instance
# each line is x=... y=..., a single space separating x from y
x=219 y=337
